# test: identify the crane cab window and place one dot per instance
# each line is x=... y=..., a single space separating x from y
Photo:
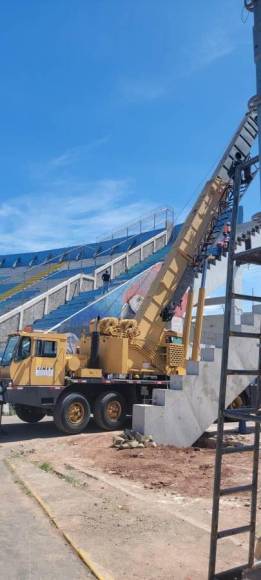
x=10 y=350
x=46 y=348
x=24 y=348
x=174 y=340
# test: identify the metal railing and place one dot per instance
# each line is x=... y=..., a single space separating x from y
x=162 y=217
x=45 y=296
x=143 y=251
x=122 y=263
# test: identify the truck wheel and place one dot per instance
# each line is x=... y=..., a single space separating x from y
x=29 y=414
x=110 y=411
x=72 y=413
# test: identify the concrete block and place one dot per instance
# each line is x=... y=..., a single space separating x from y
x=208 y=354
x=219 y=341
x=148 y=419
x=257 y=321
x=236 y=327
x=176 y=382
x=247 y=318
x=138 y=418
x=158 y=397
x=192 y=367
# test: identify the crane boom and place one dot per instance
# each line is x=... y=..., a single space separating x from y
x=178 y=269
x=130 y=357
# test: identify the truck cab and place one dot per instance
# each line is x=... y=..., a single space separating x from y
x=34 y=359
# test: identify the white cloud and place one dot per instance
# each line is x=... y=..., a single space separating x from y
x=72 y=155
x=212 y=46
x=66 y=159
x=215 y=47
x=66 y=213
x=7 y=210
x=143 y=90
x=63 y=210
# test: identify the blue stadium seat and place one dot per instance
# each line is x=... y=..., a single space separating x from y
x=74 y=253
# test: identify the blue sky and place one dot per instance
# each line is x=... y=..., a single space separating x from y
x=110 y=108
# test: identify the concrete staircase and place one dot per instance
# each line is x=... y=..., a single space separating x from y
x=179 y=415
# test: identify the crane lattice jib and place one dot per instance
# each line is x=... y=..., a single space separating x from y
x=198 y=232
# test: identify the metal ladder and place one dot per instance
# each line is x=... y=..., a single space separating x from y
x=247 y=414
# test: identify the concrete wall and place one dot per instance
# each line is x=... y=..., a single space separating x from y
x=180 y=415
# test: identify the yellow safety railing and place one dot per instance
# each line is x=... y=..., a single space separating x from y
x=30 y=281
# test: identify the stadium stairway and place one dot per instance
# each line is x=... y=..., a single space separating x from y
x=180 y=415
x=23 y=290
x=57 y=317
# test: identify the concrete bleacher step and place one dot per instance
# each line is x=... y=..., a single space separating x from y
x=159 y=397
x=179 y=415
x=207 y=354
x=192 y=368
x=257 y=309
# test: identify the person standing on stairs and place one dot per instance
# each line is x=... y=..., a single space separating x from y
x=106 y=281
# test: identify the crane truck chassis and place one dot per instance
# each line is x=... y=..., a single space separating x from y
x=120 y=361
x=38 y=377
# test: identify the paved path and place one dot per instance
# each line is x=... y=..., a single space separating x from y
x=31 y=548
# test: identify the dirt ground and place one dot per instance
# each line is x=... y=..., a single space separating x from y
x=183 y=471
x=140 y=513
x=187 y=472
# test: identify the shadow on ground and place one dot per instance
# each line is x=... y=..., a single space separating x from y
x=14 y=430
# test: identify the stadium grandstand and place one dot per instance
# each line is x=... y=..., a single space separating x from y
x=62 y=288
x=38 y=288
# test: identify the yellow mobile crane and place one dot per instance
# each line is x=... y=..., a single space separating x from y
x=121 y=361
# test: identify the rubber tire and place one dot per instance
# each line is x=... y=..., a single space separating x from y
x=99 y=412
x=61 y=420
x=29 y=414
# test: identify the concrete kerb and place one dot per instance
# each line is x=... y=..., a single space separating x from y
x=82 y=554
